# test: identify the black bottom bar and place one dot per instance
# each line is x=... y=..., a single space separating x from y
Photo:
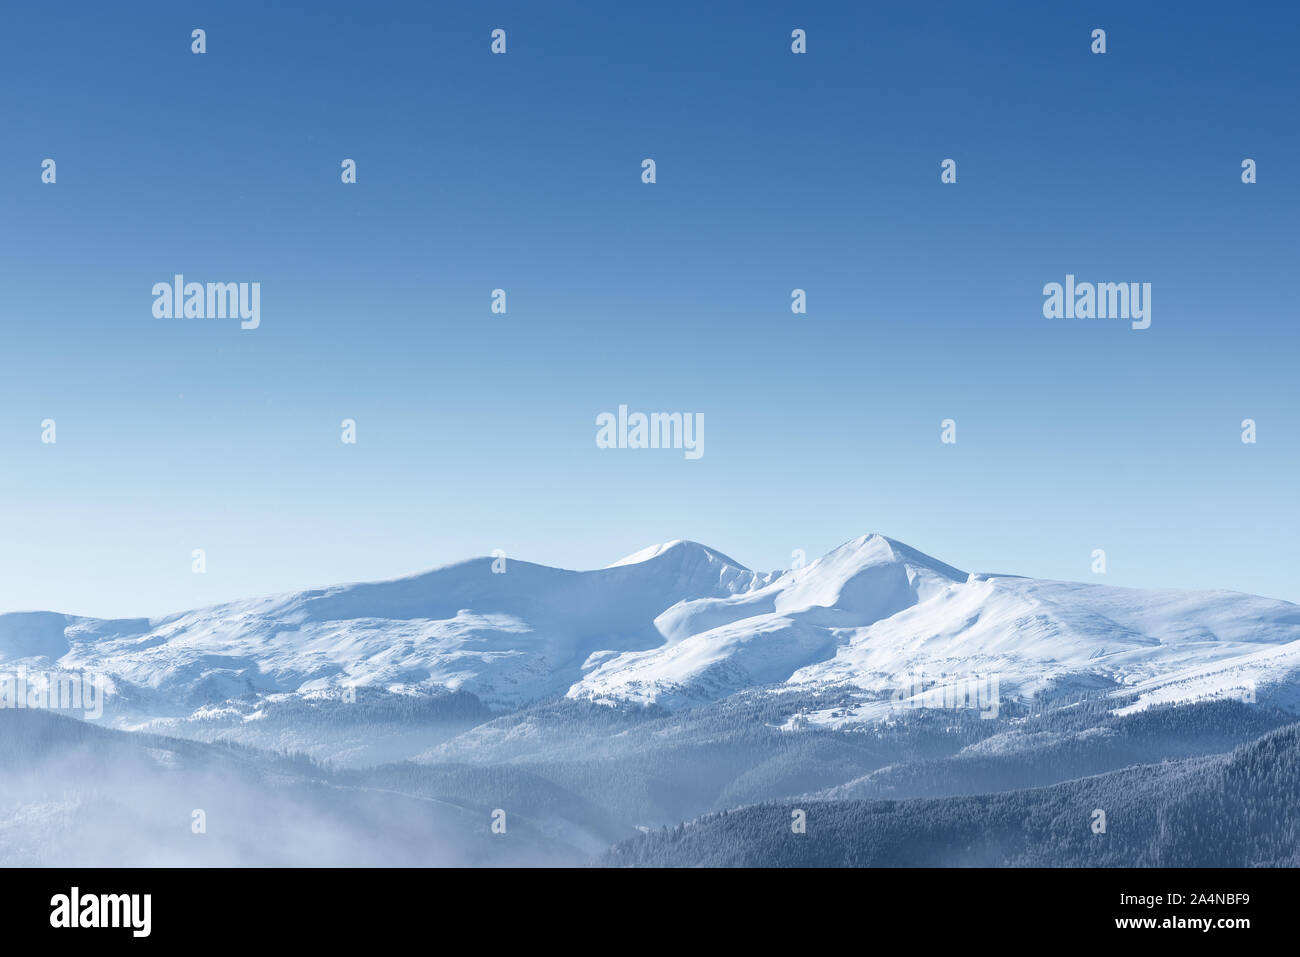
x=340 y=907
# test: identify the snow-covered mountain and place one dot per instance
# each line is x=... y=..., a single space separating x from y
x=681 y=624
x=480 y=687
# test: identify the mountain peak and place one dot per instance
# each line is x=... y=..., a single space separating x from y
x=678 y=546
x=902 y=552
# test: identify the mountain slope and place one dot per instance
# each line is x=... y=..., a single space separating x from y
x=680 y=624
x=1234 y=810
x=507 y=638
x=77 y=795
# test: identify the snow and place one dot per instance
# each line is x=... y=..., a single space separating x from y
x=680 y=623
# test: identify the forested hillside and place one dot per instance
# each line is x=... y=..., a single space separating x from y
x=1235 y=810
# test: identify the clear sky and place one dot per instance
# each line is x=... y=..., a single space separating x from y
x=774 y=171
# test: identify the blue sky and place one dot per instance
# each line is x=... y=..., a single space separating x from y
x=522 y=171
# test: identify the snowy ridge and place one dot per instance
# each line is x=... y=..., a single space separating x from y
x=678 y=624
